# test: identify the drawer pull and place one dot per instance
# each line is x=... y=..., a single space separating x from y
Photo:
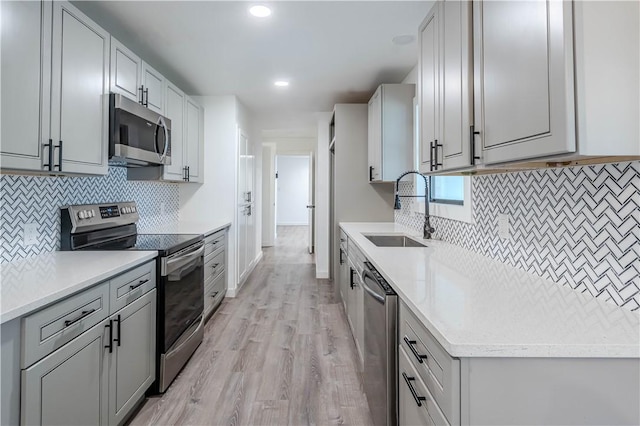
x=215 y=265
x=82 y=315
x=215 y=242
x=214 y=294
x=133 y=287
x=418 y=399
x=410 y=343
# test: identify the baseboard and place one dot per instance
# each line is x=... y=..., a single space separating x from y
x=293 y=224
x=322 y=275
x=231 y=292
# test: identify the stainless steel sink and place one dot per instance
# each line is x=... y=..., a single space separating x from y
x=393 y=241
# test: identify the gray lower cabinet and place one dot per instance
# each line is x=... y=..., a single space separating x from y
x=132 y=362
x=70 y=386
x=98 y=376
x=215 y=277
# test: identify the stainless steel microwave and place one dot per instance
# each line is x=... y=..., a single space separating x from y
x=137 y=135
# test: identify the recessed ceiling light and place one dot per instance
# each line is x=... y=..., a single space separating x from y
x=281 y=83
x=260 y=11
x=402 y=40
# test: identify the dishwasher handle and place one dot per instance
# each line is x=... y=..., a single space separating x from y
x=368 y=275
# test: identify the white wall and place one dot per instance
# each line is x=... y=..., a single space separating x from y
x=293 y=190
x=412 y=77
x=322 y=196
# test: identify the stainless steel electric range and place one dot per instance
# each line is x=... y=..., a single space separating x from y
x=180 y=272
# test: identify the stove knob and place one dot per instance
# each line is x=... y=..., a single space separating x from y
x=91 y=213
x=81 y=214
x=133 y=209
x=127 y=210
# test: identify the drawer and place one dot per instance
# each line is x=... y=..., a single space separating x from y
x=127 y=287
x=214 y=292
x=214 y=264
x=438 y=370
x=416 y=405
x=213 y=242
x=49 y=329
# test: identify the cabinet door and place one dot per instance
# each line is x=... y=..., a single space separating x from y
x=26 y=43
x=126 y=71
x=344 y=279
x=132 y=366
x=429 y=78
x=523 y=79
x=80 y=79
x=70 y=386
x=174 y=110
x=352 y=298
x=192 y=139
x=456 y=104
x=153 y=83
x=359 y=319
x=375 y=137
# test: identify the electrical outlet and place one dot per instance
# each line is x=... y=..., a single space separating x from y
x=504 y=230
x=30 y=234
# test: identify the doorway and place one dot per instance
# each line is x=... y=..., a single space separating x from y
x=294 y=194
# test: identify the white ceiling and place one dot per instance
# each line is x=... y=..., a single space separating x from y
x=330 y=51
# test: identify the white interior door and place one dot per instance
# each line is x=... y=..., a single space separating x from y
x=311 y=206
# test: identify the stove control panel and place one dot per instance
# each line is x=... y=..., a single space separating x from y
x=95 y=216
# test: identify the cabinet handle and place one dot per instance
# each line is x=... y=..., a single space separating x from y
x=341 y=259
x=133 y=287
x=215 y=265
x=370 y=173
x=418 y=399
x=351 y=283
x=145 y=99
x=435 y=146
x=82 y=315
x=49 y=145
x=141 y=90
x=472 y=140
x=59 y=165
x=119 y=332
x=184 y=173
x=418 y=356
x=432 y=156
x=188 y=174
x=214 y=294
x=110 y=327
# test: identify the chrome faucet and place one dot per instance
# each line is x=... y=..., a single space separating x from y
x=427 y=229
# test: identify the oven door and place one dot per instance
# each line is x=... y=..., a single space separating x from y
x=138 y=135
x=182 y=281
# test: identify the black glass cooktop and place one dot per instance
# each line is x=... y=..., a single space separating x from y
x=165 y=244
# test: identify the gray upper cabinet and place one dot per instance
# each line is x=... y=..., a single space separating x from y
x=54 y=124
x=456 y=85
x=69 y=386
x=193 y=140
x=79 y=112
x=126 y=71
x=390 y=132
x=175 y=110
x=523 y=79
x=26 y=81
x=428 y=89
x=153 y=89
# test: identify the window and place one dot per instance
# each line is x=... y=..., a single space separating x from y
x=446 y=190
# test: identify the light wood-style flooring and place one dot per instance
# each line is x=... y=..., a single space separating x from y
x=280 y=353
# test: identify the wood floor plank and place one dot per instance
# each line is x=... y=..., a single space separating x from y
x=279 y=353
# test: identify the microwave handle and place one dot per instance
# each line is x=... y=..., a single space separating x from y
x=162 y=124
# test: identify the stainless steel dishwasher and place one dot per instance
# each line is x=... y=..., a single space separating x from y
x=380 y=346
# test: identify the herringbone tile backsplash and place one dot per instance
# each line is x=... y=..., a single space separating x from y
x=577 y=226
x=37 y=199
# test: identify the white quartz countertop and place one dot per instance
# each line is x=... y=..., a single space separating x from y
x=30 y=284
x=185 y=227
x=479 y=307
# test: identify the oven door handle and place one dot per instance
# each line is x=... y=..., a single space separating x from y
x=366 y=274
x=171 y=264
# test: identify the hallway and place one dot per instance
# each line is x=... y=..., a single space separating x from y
x=279 y=353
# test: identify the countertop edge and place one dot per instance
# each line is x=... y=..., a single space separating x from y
x=76 y=288
x=470 y=350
